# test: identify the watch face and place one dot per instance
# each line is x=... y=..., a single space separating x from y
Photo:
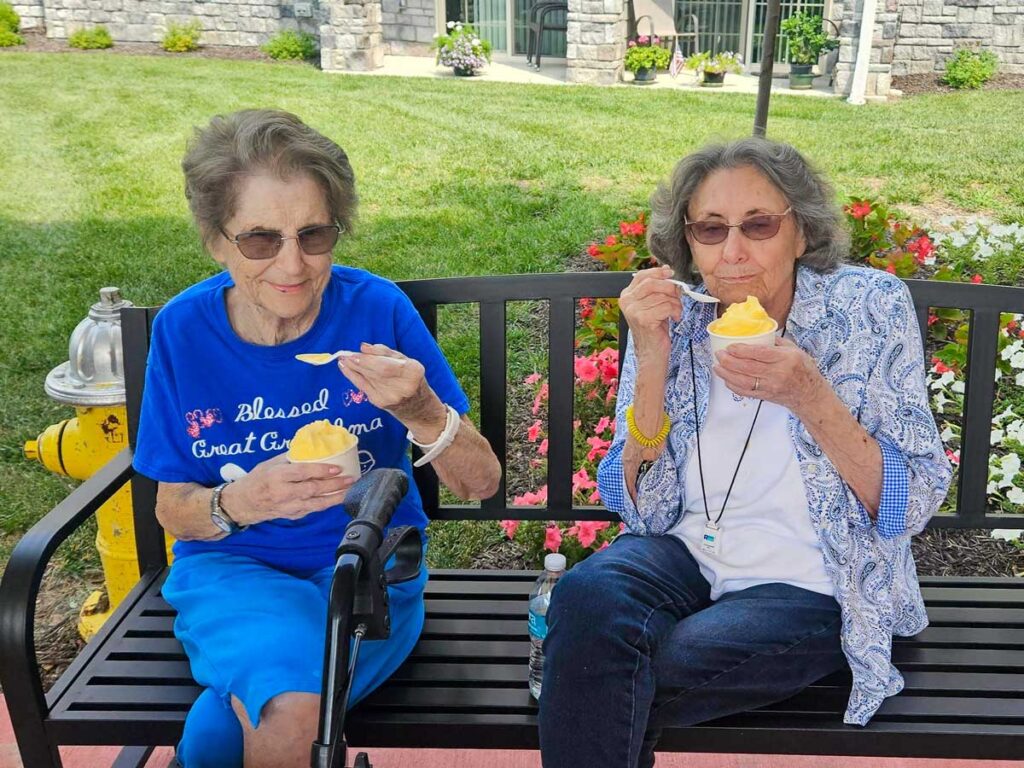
x=220 y=522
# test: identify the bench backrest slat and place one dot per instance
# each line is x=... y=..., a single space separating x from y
x=561 y=291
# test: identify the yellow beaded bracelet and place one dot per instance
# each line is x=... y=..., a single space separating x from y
x=640 y=437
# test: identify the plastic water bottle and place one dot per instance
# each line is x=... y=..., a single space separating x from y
x=540 y=599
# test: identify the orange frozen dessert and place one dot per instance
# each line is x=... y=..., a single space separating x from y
x=746 y=318
x=320 y=440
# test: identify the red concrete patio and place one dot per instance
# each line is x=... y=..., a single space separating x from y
x=102 y=757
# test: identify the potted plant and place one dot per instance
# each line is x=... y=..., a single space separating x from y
x=807 y=41
x=644 y=57
x=711 y=67
x=462 y=49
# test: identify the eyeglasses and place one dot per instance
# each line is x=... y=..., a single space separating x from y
x=759 y=227
x=314 y=241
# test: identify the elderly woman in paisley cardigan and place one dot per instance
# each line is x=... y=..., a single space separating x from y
x=769 y=492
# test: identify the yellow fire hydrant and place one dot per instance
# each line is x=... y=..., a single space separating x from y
x=92 y=380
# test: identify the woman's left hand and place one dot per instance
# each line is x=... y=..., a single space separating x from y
x=783 y=374
x=397 y=385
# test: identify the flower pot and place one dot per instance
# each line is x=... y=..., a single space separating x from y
x=713 y=79
x=800 y=76
x=645 y=76
x=464 y=71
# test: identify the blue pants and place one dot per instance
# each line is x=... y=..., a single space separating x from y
x=255 y=632
x=635 y=644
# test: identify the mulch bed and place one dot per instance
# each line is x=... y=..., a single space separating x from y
x=36 y=41
x=931 y=82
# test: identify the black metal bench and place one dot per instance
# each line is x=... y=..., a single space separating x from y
x=465 y=684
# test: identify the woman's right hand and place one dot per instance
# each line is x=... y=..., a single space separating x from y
x=276 y=488
x=647 y=303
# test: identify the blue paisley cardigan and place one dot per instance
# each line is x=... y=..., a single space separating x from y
x=858 y=324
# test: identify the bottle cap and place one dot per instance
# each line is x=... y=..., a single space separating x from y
x=554 y=562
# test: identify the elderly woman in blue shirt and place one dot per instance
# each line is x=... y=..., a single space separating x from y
x=769 y=492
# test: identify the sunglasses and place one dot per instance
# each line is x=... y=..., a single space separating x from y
x=314 y=241
x=760 y=227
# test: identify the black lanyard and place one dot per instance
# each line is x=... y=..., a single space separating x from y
x=696 y=429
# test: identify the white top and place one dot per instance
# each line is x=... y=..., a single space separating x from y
x=766 y=533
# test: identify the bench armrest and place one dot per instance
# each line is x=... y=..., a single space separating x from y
x=24 y=573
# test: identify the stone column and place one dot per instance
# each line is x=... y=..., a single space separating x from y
x=882 y=44
x=352 y=37
x=595 y=41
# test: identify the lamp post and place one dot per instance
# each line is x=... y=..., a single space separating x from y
x=764 y=84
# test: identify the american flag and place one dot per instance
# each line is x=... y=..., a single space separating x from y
x=676 y=65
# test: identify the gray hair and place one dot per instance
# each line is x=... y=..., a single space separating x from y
x=805 y=189
x=251 y=141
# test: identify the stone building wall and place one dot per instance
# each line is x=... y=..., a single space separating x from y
x=31 y=13
x=930 y=29
x=234 y=22
x=883 y=45
x=409 y=26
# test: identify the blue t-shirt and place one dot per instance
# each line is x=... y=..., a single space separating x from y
x=215 y=406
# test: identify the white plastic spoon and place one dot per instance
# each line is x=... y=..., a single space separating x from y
x=323 y=358
x=701 y=297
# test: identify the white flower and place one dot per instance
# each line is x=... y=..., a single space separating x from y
x=1019 y=379
x=1004 y=415
x=1010 y=465
x=983 y=250
x=1015 y=431
x=947 y=221
x=451 y=24
x=1011 y=349
x=991 y=488
x=957 y=387
x=996 y=437
x=1010 y=534
x=947 y=434
x=1017 y=361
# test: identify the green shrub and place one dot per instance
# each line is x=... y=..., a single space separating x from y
x=969 y=68
x=9 y=18
x=290 y=45
x=9 y=38
x=88 y=39
x=182 y=37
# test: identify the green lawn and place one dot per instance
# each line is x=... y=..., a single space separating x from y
x=455 y=178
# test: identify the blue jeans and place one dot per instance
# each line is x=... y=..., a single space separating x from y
x=635 y=644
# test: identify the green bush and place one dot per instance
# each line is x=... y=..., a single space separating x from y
x=290 y=45
x=9 y=18
x=182 y=37
x=969 y=68
x=9 y=38
x=88 y=39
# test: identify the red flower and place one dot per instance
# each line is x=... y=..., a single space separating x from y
x=509 y=527
x=940 y=367
x=552 y=538
x=533 y=432
x=611 y=240
x=593 y=250
x=977 y=279
x=542 y=449
x=953 y=456
x=533 y=378
x=932 y=319
x=890 y=268
x=859 y=210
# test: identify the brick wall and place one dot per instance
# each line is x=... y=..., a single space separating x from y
x=409 y=26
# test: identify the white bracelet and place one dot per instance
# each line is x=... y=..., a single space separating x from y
x=432 y=450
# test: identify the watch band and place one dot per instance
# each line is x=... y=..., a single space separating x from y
x=219 y=516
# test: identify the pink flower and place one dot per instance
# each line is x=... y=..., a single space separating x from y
x=932 y=319
x=533 y=378
x=576 y=423
x=631 y=44
x=533 y=432
x=605 y=545
x=542 y=395
x=598 y=447
x=939 y=367
x=622 y=526
x=552 y=538
x=611 y=394
x=977 y=279
x=587 y=530
x=602 y=425
x=593 y=250
x=542 y=449
x=643 y=39
x=531 y=499
x=953 y=456
x=611 y=240
x=585 y=369
x=581 y=481
x=609 y=373
x=509 y=527
x=595 y=497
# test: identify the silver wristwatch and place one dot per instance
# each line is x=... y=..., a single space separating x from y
x=221 y=518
